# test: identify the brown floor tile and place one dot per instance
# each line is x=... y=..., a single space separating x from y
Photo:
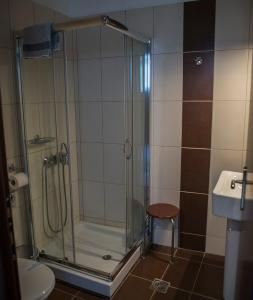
x=59 y=295
x=216 y=260
x=210 y=281
x=162 y=249
x=190 y=254
x=182 y=273
x=84 y=295
x=198 y=297
x=172 y=294
x=134 y=288
x=152 y=266
x=65 y=287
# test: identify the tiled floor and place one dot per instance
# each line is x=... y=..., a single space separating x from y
x=193 y=276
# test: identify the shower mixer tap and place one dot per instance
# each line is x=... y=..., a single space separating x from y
x=50 y=160
x=62 y=157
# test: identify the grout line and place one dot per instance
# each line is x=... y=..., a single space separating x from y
x=189 y=259
x=165 y=271
x=196 y=148
x=120 y=286
x=195 y=193
x=152 y=295
x=195 y=282
x=195 y=234
x=133 y=275
x=163 y=253
x=204 y=296
x=190 y=250
x=213 y=265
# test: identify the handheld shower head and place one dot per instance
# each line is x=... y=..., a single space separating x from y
x=64 y=154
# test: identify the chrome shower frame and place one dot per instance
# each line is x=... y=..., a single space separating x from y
x=62 y=27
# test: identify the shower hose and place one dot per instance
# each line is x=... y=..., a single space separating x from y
x=61 y=219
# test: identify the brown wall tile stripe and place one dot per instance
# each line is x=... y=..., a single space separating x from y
x=198 y=72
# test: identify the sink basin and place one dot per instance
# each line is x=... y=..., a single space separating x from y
x=226 y=201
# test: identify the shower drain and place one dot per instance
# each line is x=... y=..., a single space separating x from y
x=107 y=257
x=160 y=286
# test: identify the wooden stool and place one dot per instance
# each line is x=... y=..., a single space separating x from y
x=164 y=211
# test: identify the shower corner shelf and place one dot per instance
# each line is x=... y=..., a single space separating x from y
x=38 y=141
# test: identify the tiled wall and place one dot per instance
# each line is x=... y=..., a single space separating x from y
x=232 y=85
x=198 y=69
x=214 y=121
x=169 y=114
x=101 y=124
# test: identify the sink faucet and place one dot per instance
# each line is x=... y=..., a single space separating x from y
x=243 y=182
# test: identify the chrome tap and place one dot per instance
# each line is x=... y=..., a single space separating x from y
x=243 y=182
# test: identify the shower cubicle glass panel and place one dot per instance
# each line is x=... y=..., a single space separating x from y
x=44 y=111
x=137 y=121
x=86 y=135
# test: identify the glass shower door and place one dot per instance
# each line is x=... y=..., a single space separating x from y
x=137 y=92
x=43 y=109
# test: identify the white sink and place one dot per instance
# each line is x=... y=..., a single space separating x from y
x=226 y=201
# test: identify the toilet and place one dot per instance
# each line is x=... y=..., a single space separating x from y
x=37 y=281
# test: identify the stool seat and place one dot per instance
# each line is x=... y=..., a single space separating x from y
x=163 y=211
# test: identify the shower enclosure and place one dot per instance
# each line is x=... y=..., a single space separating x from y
x=85 y=124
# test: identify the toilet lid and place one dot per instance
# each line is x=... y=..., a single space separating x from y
x=36 y=280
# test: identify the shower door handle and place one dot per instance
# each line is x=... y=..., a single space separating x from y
x=128 y=149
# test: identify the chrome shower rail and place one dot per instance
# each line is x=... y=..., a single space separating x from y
x=94 y=22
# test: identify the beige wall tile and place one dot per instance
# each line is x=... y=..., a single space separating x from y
x=164 y=196
x=168 y=28
x=114 y=164
x=115 y=203
x=32 y=120
x=92 y=161
x=224 y=160
x=112 y=42
x=92 y=48
x=73 y=161
x=113 y=122
x=11 y=130
x=42 y=14
x=167 y=123
x=232 y=24
x=228 y=125
x=93 y=199
x=76 y=200
x=230 y=74
x=35 y=172
x=91 y=127
x=168 y=76
x=22 y=14
x=141 y=21
x=20 y=226
x=165 y=167
x=5 y=29
x=7 y=76
x=113 y=79
x=89 y=76
x=47 y=120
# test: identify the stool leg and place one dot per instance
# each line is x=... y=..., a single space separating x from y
x=172 y=238
x=151 y=231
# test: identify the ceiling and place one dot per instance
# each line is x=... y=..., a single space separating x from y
x=84 y=8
